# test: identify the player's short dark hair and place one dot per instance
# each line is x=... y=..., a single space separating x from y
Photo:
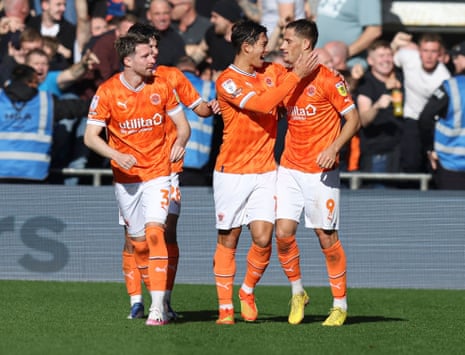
x=146 y=30
x=305 y=29
x=126 y=45
x=246 y=31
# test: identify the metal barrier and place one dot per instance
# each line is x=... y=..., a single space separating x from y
x=355 y=179
x=95 y=173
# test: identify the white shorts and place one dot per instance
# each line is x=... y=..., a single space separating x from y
x=317 y=194
x=175 y=199
x=243 y=198
x=143 y=202
x=175 y=196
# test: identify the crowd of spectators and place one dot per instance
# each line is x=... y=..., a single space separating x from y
x=70 y=45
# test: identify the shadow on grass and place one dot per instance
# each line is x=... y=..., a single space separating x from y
x=309 y=319
x=212 y=315
x=197 y=316
x=370 y=319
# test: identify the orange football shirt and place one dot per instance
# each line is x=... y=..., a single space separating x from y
x=135 y=121
x=250 y=121
x=314 y=112
x=186 y=94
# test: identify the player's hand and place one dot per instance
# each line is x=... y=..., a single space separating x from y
x=305 y=64
x=327 y=158
x=177 y=152
x=126 y=161
x=214 y=106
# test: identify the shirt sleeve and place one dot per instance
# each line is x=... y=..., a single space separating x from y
x=246 y=98
x=435 y=108
x=369 y=12
x=99 y=111
x=186 y=92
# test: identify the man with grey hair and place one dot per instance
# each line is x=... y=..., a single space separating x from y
x=171 y=44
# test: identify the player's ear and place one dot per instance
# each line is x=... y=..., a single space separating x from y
x=127 y=61
x=245 y=47
x=307 y=44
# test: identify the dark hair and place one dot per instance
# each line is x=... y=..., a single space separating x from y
x=246 y=31
x=126 y=45
x=146 y=30
x=30 y=34
x=431 y=37
x=23 y=73
x=306 y=29
x=379 y=43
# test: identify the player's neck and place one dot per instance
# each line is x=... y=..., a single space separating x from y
x=244 y=64
x=133 y=79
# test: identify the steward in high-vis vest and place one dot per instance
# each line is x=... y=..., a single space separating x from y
x=442 y=127
x=26 y=126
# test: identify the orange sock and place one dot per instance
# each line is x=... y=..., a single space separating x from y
x=289 y=257
x=141 y=257
x=336 y=266
x=257 y=261
x=173 y=258
x=131 y=274
x=158 y=258
x=224 y=268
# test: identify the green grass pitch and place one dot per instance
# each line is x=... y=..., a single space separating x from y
x=90 y=318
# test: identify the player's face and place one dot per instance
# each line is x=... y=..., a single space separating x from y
x=292 y=46
x=143 y=60
x=258 y=51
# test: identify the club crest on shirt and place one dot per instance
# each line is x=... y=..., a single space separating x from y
x=268 y=81
x=230 y=87
x=341 y=88
x=310 y=90
x=94 y=103
x=155 y=99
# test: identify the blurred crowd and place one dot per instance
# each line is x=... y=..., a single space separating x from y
x=70 y=45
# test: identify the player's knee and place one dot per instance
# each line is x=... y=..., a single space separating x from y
x=326 y=237
x=128 y=247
